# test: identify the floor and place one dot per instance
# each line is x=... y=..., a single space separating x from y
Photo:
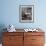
x=0 y=44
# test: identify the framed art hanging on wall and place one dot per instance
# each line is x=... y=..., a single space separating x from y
x=26 y=13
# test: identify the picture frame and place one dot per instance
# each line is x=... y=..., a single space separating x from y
x=26 y=13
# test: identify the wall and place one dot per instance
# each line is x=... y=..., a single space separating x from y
x=10 y=13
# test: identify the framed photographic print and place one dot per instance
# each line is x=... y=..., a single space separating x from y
x=26 y=13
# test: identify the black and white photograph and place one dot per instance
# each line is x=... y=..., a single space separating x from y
x=26 y=13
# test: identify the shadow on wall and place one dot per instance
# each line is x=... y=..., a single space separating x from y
x=2 y=26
